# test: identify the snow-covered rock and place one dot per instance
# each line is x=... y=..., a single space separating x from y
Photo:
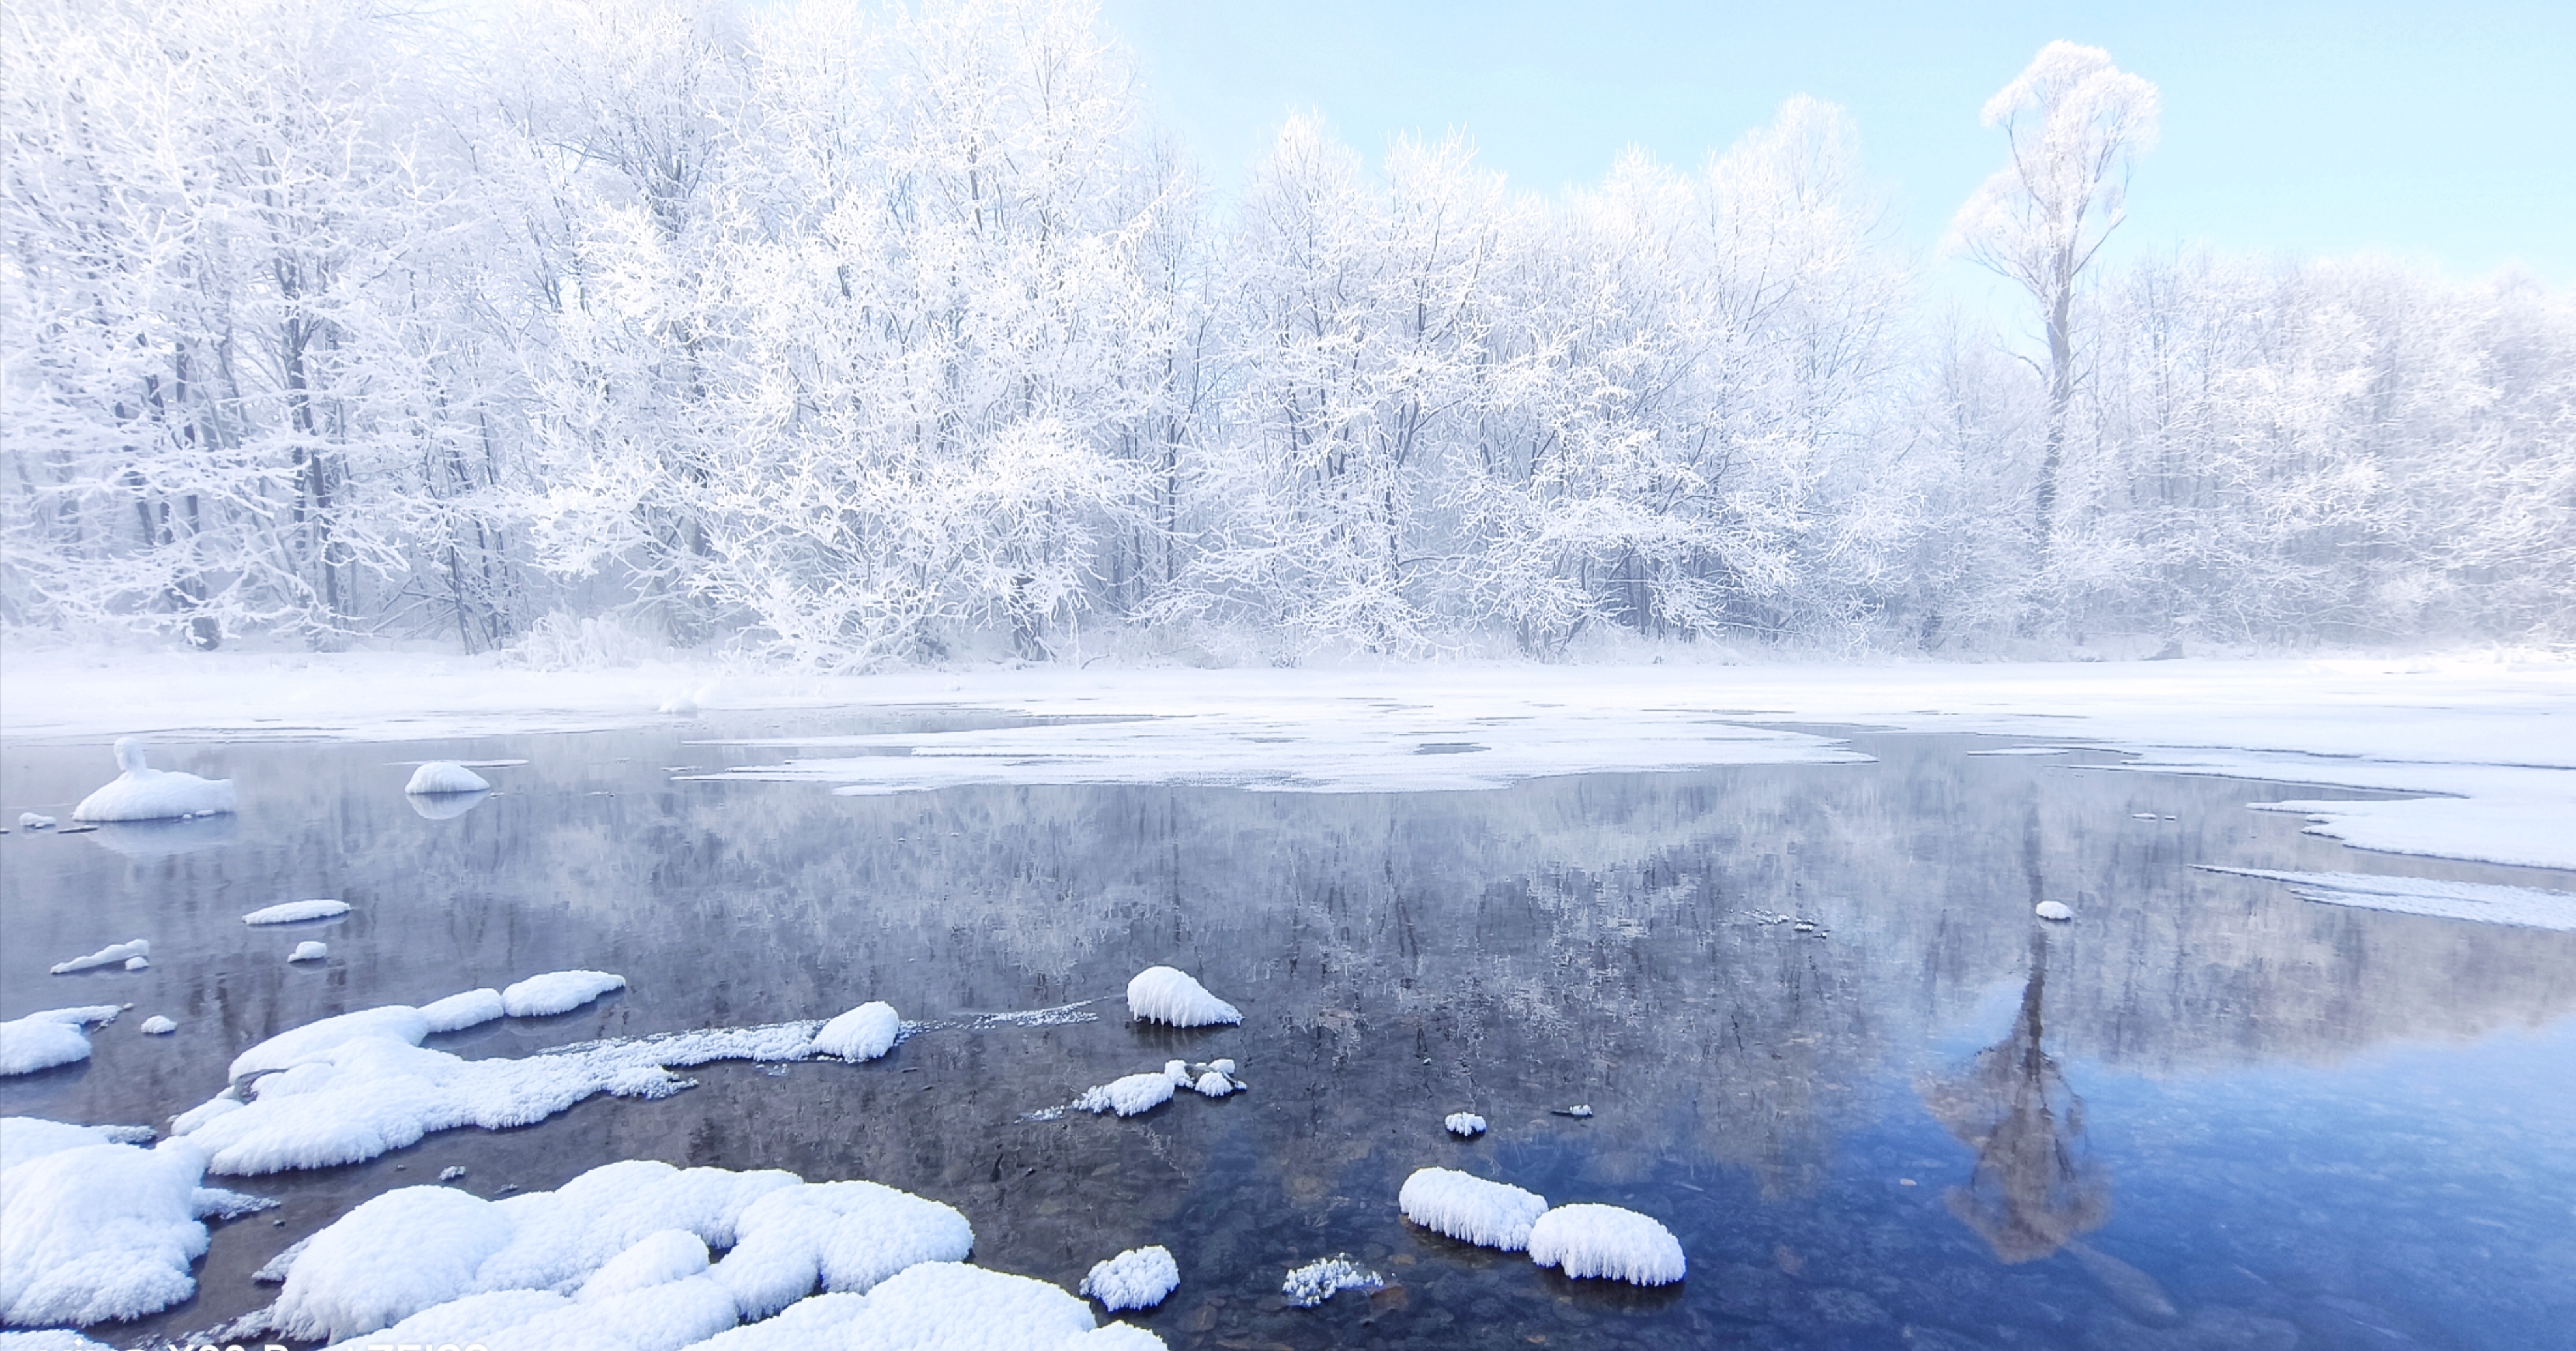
x=1471 y=1209
x=2056 y=910
x=1609 y=1242
x=1320 y=1280
x=296 y=912
x=1164 y=994
x=1138 y=1278
x=53 y=1037
x=445 y=776
x=114 y=954
x=863 y=1033
x=627 y=1239
x=143 y=793
x=1213 y=1085
x=457 y=1012
x=310 y=950
x=36 y=821
x=557 y=992
x=50 y=1339
x=940 y=1306
x=1464 y=1125
x=159 y=1025
x=349 y=1088
x=1127 y=1096
x=95 y=1231
x=138 y=963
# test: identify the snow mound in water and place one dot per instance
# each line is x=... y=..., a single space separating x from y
x=1164 y=994
x=460 y=1011
x=401 y=1022
x=1608 y=1242
x=310 y=950
x=557 y=992
x=143 y=793
x=35 y=821
x=41 y=1041
x=863 y=1033
x=1471 y=1209
x=445 y=776
x=435 y=1265
x=1213 y=1085
x=159 y=1025
x=2056 y=910
x=1128 y=1096
x=1320 y=1280
x=92 y=1231
x=939 y=1306
x=294 y=912
x=1138 y=1278
x=1464 y=1125
x=114 y=954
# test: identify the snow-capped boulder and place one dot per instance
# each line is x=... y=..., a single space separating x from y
x=1164 y=994
x=863 y=1033
x=557 y=992
x=1138 y=1278
x=53 y=1037
x=1471 y=1209
x=445 y=776
x=1609 y=1242
x=143 y=793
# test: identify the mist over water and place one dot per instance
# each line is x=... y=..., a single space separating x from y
x=1822 y=1036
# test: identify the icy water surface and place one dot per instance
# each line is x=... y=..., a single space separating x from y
x=1820 y=1033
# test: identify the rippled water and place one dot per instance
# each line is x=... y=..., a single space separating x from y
x=1822 y=1036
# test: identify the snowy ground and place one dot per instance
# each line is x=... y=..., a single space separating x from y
x=2491 y=740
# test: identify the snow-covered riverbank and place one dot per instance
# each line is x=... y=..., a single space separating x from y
x=2490 y=740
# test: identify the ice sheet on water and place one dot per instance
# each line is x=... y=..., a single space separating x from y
x=143 y=793
x=92 y=1230
x=296 y=912
x=40 y=1041
x=557 y=992
x=1471 y=1209
x=2486 y=903
x=114 y=954
x=445 y=776
x=1608 y=1242
x=1138 y=1278
x=1164 y=994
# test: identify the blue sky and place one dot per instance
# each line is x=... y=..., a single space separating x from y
x=2443 y=132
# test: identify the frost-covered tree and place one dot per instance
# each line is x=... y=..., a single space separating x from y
x=2073 y=124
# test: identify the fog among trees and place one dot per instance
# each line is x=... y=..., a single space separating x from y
x=852 y=336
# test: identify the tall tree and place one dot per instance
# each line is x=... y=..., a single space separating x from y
x=2075 y=124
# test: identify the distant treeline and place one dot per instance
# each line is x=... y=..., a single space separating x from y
x=861 y=336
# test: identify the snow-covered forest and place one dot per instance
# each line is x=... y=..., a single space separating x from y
x=854 y=336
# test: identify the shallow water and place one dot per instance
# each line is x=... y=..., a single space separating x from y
x=1822 y=1036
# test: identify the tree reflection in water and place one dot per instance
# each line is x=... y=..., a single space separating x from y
x=2035 y=1186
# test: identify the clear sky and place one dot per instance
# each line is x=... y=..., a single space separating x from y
x=2438 y=131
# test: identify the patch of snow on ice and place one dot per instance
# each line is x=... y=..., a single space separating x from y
x=1127 y=1096
x=114 y=954
x=1464 y=1125
x=863 y=1033
x=296 y=912
x=557 y=992
x=2486 y=903
x=1164 y=994
x=1138 y=1278
x=445 y=776
x=97 y=1232
x=457 y=1012
x=40 y=1041
x=1320 y=1280
x=143 y=793
x=1471 y=1209
x=310 y=950
x=159 y=1025
x=1608 y=1242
